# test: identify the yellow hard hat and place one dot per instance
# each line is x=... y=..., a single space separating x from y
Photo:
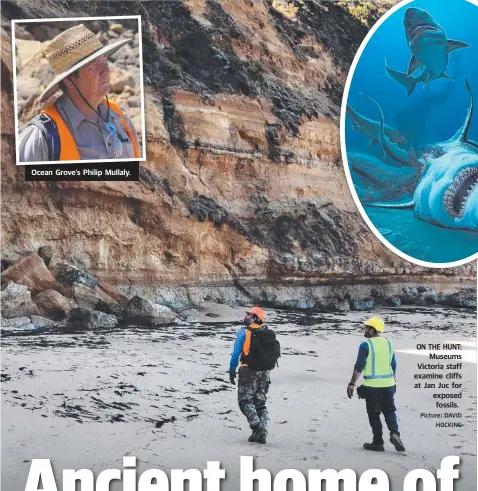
x=377 y=323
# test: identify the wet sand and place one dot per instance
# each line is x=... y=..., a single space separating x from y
x=85 y=400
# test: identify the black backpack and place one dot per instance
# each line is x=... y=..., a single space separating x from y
x=265 y=349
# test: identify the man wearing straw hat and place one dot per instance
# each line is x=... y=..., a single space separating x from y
x=83 y=124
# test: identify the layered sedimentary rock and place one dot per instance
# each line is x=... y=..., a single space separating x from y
x=242 y=196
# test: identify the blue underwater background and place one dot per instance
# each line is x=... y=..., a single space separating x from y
x=431 y=114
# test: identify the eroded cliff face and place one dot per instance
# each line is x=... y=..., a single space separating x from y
x=243 y=192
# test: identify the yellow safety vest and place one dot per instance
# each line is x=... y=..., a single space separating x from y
x=378 y=367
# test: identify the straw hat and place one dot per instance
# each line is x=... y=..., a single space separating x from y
x=71 y=50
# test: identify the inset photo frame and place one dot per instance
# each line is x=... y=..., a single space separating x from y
x=409 y=132
x=78 y=90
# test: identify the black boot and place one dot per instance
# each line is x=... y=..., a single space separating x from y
x=262 y=437
x=396 y=441
x=256 y=433
x=254 y=438
x=377 y=447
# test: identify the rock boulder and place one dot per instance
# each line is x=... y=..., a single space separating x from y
x=28 y=86
x=90 y=320
x=69 y=274
x=16 y=301
x=113 y=293
x=53 y=304
x=39 y=322
x=32 y=272
x=119 y=80
x=142 y=311
x=118 y=28
x=95 y=299
x=17 y=323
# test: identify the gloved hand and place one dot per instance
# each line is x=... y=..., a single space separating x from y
x=350 y=390
x=232 y=377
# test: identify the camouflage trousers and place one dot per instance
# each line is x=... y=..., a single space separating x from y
x=252 y=388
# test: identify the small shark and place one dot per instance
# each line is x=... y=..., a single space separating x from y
x=383 y=181
x=430 y=49
x=371 y=128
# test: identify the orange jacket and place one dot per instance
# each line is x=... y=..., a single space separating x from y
x=68 y=150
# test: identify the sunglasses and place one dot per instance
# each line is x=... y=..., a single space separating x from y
x=118 y=140
x=98 y=65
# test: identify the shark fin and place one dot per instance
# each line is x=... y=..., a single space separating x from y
x=462 y=133
x=414 y=64
x=454 y=45
x=351 y=111
x=389 y=148
x=372 y=142
x=402 y=78
x=446 y=77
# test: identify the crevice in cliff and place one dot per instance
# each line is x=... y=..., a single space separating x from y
x=237 y=283
x=183 y=160
x=154 y=182
x=174 y=124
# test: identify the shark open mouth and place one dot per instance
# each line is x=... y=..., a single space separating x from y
x=417 y=31
x=458 y=192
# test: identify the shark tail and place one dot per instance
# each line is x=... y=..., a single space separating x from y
x=395 y=206
x=402 y=78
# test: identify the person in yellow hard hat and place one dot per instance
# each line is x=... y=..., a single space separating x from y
x=258 y=350
x=376 y=360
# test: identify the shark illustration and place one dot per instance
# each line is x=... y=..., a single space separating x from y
x=371 y=128
x=379 y=180
x=408 y=81
x=430 y=49
x=447 y=191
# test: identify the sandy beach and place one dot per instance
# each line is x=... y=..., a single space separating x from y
x=84 y=400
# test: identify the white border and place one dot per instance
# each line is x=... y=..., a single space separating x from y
x=73 y=19
x=346 y=163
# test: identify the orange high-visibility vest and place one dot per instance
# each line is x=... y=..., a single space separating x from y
x=68 y=149
x=246 y=347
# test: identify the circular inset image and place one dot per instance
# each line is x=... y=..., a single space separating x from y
x=409 y=131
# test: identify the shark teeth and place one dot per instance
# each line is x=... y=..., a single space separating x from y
x=421 y=29
x=457 y=194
